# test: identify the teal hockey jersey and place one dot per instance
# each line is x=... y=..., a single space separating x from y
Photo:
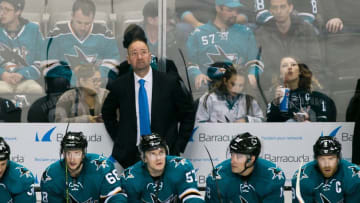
x=99 y=47
x=207 y=45
x=17 y=184
x=178 y=182
x=265 y=184
x=98 y=181
x=344 y=186
x=23 y=51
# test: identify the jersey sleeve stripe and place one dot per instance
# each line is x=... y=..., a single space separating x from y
x=189 y=192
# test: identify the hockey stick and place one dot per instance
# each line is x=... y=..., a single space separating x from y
x=186 y=70
x=298 y=192
x=214 y=175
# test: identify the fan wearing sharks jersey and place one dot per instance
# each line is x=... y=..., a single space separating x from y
x=20 y=45
x=16 y=182
x=329 y=178
x=220 y=40
x=160 y=177
x=245 y=177
x=80 y=176
x=83 y=41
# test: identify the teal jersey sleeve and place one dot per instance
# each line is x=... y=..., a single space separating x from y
x=111 y=190
x=51 y=190
x=213 y=194
x=18 y=185
x=185 y=178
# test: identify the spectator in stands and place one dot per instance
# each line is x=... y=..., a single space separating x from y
x=245 y=177
x=303 y=103
x=173 y=177
x=315 y=12
x=169 y=108
x=20 y=45
x=220 y=40
x=193 y=14
x=227 y=101
x=17 y=182
x=284 y=35
x=57 y=81
x=83 y=103
x=327 y=178
x=83 y=41
x=80 y=176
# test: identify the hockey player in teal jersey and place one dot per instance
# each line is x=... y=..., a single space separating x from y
x=160 y=177
x=80 y=176
x=81 y=40
x=245 y=177
x=329 y=178
x=20 y=50
x=220 y=40
x=16 y=182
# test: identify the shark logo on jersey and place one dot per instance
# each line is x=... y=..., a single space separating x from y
x=3 y=185
x=324 y=199
x=155 y=199
x=223 y=35
x=45 y=177
x=246 y=188
x=216 y=173
x=73 y=200
x=221 y=56
x=156 y=186
x=242 y=199
x=79 y=58
x=9 y=55
x=100 y=162
x=23 y=172
x=178 y=161
x=127 y=174
x=355 y=170
x=303 y=175
x=75 y=186
x=277 y=173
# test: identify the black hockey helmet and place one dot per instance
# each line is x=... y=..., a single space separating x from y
x=73 y=140
x=18 y=4
x=245 y=144
x=152 y=141
x=4 y=150
x=327 y=145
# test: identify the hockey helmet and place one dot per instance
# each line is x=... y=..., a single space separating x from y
x=4 y=150
x=245 y=144
x=73 y=140
x=152 y=141
x=327 y=145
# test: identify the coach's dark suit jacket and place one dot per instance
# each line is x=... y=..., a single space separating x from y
x=171 y=105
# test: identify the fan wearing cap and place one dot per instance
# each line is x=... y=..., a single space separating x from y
x=328 y=178
x=304 y=103
x=20 y=45
x=16 y=181
x=80 y=176
x=245 y=177
x=159 y=177
x=220 y=40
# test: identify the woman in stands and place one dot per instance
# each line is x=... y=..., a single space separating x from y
x=303 y=103
x=82 y=104
x=227 y=102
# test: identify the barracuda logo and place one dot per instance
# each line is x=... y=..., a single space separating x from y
x=46 y=137
x=333 y=133
x=191 y=139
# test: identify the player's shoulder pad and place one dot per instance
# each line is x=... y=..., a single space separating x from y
x=221 y=170
x=98 y=163
x=21 y=173
x=178 y=163
x=352 y=171
x=102 y=29
x=269 y=171
x=60 y=28
x=53 y=172
x=32 y=26
x=307 y=172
